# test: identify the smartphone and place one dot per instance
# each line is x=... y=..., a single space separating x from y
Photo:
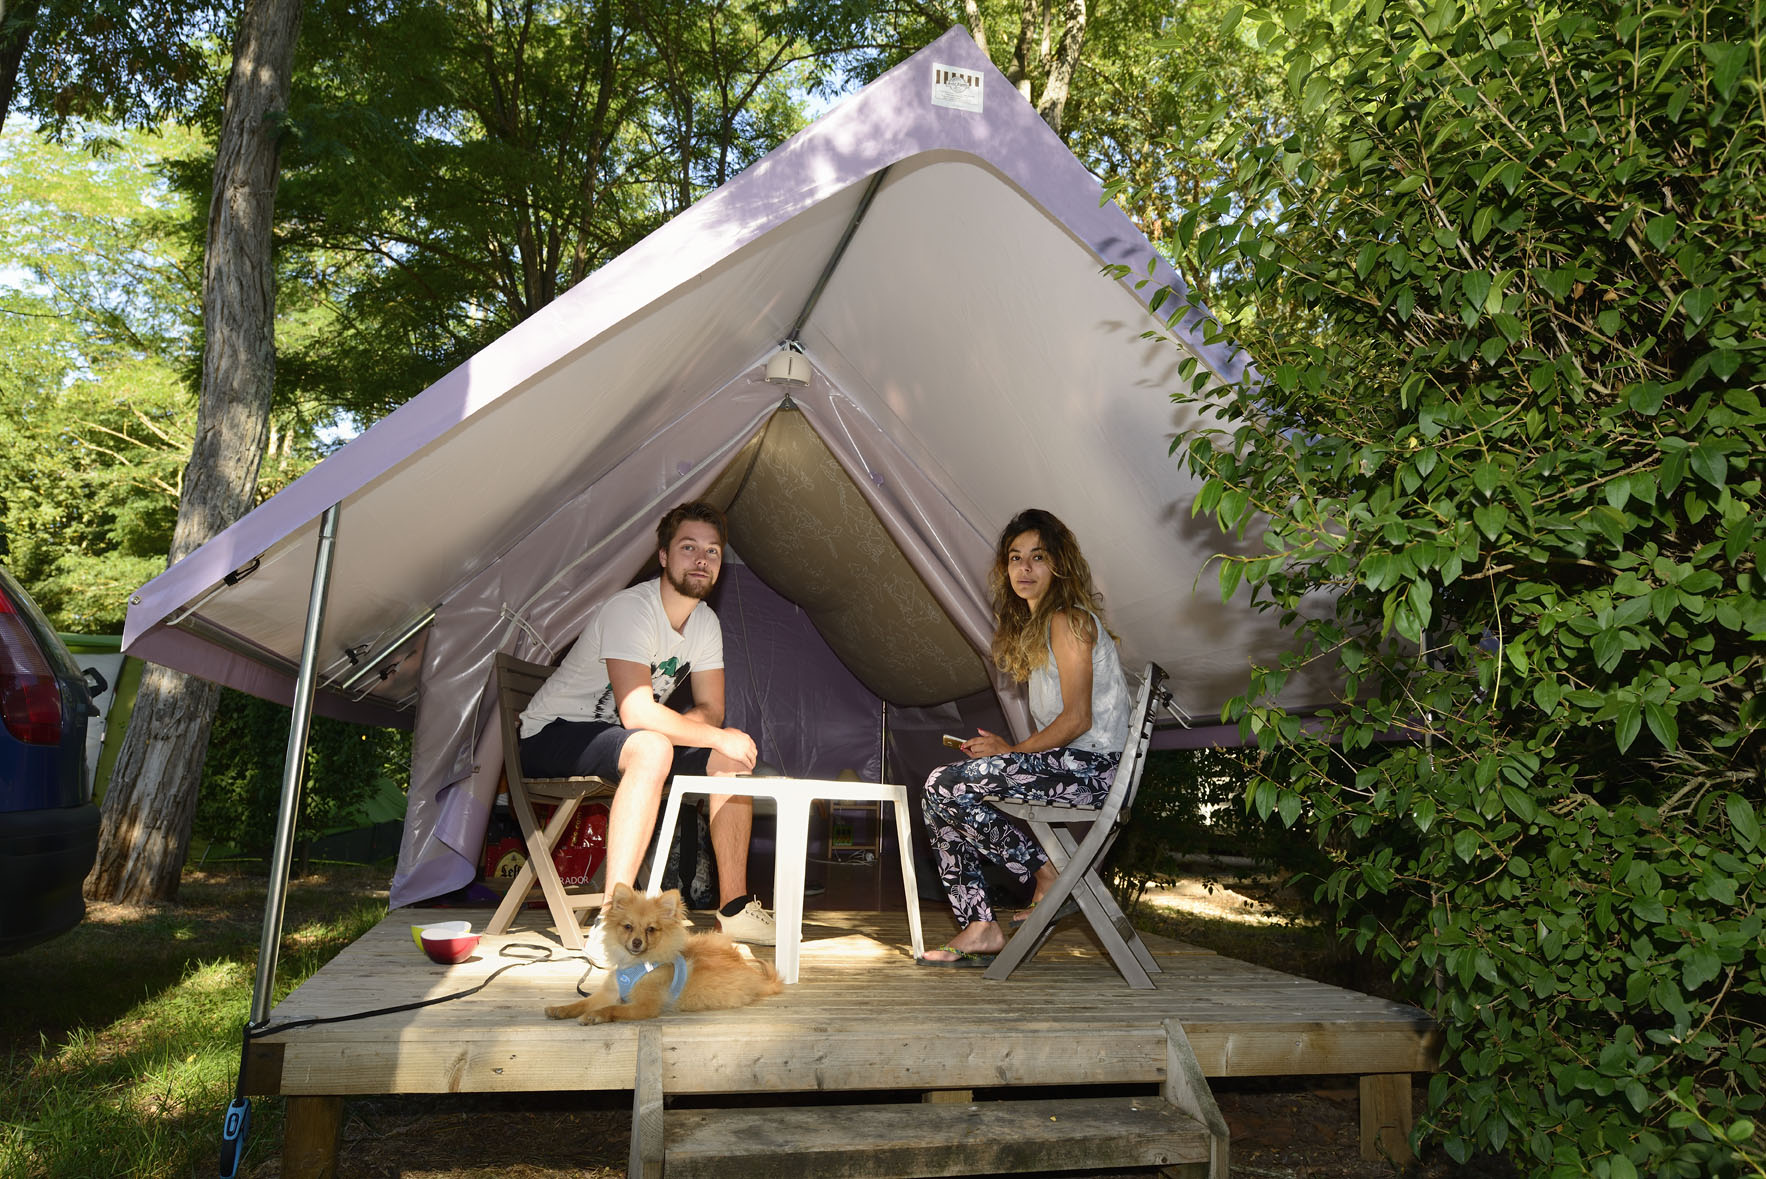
x=953 y=742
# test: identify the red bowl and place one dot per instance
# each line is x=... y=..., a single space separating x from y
x=447 y=947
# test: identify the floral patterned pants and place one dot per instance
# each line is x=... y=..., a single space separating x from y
x=964 y=829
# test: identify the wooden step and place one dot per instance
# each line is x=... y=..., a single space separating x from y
x=980 y=1138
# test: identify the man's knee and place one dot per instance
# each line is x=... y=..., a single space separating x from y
x=647 y=753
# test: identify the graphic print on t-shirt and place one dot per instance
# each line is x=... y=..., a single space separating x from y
x=665 y=677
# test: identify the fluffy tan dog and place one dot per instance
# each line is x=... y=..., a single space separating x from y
x=652 y=951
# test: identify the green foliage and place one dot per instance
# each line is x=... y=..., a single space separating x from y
x=99 y=343
x=242 y=775
x=1501 y=272
x=135 y=62
x=1139 y=82
x=1191 y=803
x=96 y=314
x=450 y=169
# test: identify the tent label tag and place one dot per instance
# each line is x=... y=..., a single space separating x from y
x=957 y=88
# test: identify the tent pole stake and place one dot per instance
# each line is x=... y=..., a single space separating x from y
x=294 y=765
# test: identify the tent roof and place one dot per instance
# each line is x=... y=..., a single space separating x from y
x=970 y=360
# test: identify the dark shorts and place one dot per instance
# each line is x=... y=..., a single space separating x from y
x=569 y=749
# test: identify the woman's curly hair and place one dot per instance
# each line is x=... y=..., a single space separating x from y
x=1020 y=638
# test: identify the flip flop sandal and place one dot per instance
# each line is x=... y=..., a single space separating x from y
x=1067 y=909
x=964 y=960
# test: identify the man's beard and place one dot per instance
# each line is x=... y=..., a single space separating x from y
x=687 y=588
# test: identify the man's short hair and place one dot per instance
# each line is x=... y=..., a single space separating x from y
x=698 y=510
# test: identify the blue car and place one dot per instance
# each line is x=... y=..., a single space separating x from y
x=48 y=822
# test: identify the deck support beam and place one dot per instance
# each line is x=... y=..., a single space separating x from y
x=1386 y=1117
x=310 y=1129
x=645 y=1160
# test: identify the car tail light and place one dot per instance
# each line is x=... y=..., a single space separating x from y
x=30 y=699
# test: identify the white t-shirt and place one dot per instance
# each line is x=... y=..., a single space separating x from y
x=631 y=625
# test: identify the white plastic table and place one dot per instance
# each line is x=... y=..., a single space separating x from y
x=793 y=796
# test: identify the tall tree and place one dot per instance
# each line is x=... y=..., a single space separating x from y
x=1045 y=52
x=147 y=812
x=1039 y=45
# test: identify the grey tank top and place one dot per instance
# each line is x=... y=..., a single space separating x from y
x=1110 y=702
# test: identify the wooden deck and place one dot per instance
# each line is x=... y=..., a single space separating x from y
x=863 y=1017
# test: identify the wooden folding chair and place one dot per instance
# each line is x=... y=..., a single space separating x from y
x=1077 y=859
x=517 y=681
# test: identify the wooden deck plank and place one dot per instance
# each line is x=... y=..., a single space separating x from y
x=862 y=1016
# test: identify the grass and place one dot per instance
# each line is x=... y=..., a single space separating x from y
x=120 y=1039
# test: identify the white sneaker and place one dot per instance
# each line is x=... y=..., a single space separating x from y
x=753 y=924
x=595 y=946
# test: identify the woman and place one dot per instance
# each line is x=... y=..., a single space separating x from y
x=1049 y=629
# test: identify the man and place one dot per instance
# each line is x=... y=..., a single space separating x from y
x=602 y=713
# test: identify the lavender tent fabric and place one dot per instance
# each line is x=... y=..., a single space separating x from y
x=968 y=359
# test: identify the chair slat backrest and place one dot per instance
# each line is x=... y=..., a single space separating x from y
x=517 y=681
x=1120 y=800
x=1147 y=704
x=1133 y=762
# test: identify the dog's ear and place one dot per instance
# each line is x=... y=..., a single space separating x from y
x=622 y=896
x=670 y=903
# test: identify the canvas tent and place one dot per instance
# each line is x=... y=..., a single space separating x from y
x=936 y=252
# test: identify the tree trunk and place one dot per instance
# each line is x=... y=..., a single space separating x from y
x=1018 y=69
x=1066 y=59
x=977 y=29
x=152 y=794
x=18 y=20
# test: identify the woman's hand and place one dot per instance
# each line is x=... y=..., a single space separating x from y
x=986 y=745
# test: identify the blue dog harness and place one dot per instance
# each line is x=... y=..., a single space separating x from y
x=627 y=977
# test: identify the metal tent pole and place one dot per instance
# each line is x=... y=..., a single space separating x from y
x=294 y=765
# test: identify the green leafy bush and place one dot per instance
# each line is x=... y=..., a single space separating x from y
x=242 y=776
x=1502 y=278
x=1190 y=804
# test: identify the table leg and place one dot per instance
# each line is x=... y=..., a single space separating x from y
x=904 y=838
x=790 y=848
x=671 y=815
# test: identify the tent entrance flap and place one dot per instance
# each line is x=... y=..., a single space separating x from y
x=798 y=521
